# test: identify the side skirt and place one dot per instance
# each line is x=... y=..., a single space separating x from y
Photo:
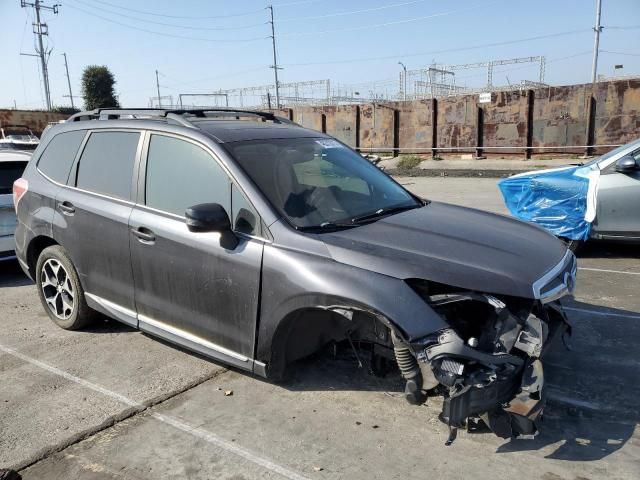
x=175 y=335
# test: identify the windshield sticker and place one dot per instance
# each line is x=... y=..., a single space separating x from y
x=329 y=143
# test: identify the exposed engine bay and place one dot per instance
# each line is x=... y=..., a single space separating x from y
x=487 y=364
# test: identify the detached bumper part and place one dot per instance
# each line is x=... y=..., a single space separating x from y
x=508 y=409
x=503 y=385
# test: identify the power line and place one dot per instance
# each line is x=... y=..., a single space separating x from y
x=627 y=27
x=165 y=34
x=172 y=86
x=165 y=24
x=198 y=17
x=352 y=12
x=621 y=53
x=292 y=4
x=437 y=52
x=387 y=24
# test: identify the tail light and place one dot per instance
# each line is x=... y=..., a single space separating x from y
x=20 y=187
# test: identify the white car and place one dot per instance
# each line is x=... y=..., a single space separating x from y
x=17 y=137
x=12 y=164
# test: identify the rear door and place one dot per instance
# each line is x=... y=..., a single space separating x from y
x=189 y=288
x=92 y=218
x=618 y=203
x=11 y=167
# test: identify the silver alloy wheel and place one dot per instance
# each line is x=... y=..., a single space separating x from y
x=57 y=289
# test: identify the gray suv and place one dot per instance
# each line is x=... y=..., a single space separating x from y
x=256 y=242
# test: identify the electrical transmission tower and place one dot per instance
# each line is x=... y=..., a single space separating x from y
x=41 y=29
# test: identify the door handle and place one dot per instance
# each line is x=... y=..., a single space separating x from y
x=67 y=208
x=144 y=235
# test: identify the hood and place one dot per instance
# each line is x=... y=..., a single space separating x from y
x=453 y=245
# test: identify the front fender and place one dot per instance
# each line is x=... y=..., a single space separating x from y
x=293 y=280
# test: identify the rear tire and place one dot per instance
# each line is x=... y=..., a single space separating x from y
x=60 y=291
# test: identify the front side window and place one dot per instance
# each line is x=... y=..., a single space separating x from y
x=181 y=174
x=58 y=156
x=106 y=163
x=244 y=218
x=318 y=182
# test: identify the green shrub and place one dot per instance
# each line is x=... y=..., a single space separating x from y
x=408 y=162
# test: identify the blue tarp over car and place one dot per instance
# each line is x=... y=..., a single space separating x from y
x=559 y=200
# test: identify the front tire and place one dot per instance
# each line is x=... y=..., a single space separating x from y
x=60 y=291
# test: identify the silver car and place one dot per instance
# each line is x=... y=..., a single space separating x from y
x=596 y=200
x=618 y=194
x=12 y=164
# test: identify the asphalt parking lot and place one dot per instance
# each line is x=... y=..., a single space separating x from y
x=110 y=402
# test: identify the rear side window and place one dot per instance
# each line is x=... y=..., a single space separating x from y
x=9 y=173
x=58 y=156
x=106 y=163
x=181 y=174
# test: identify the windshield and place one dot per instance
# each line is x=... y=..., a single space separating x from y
x=18 y=134
x=318 y=182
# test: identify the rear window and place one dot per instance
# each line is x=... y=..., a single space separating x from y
x=106 y=163
x=55 y=162
x=9 y=173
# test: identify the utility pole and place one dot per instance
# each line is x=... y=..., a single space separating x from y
x=404 y=77
x=66 y=67
x=596 y=41
x=158 y=87
x=275 y=58
x=40 y=29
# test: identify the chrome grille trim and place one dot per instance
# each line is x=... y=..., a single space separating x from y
x=567 y=266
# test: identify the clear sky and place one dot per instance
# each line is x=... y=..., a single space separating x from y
x=203 y=45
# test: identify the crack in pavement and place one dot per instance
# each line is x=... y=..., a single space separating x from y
x=135 y=408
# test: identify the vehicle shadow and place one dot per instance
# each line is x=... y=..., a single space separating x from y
x=604 y=249
x=592 y=389
x=103 y=324
x=11 y=275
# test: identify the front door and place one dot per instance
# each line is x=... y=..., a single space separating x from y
x=618 y=203
x=189 y=288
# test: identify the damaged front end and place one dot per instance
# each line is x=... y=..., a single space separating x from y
x=487 y=364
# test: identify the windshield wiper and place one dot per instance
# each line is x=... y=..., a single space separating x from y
x=357 y=221
x=383 y=212
x=327 y=226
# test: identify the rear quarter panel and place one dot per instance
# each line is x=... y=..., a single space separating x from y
x=35 y=210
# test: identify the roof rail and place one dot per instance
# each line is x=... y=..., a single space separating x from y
x=180 y=116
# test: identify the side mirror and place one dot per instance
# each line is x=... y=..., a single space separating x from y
x=211 y=217
x=626 y=164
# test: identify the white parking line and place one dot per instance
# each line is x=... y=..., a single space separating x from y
x=608 y=271
x=205 y=435
x=603 y=313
